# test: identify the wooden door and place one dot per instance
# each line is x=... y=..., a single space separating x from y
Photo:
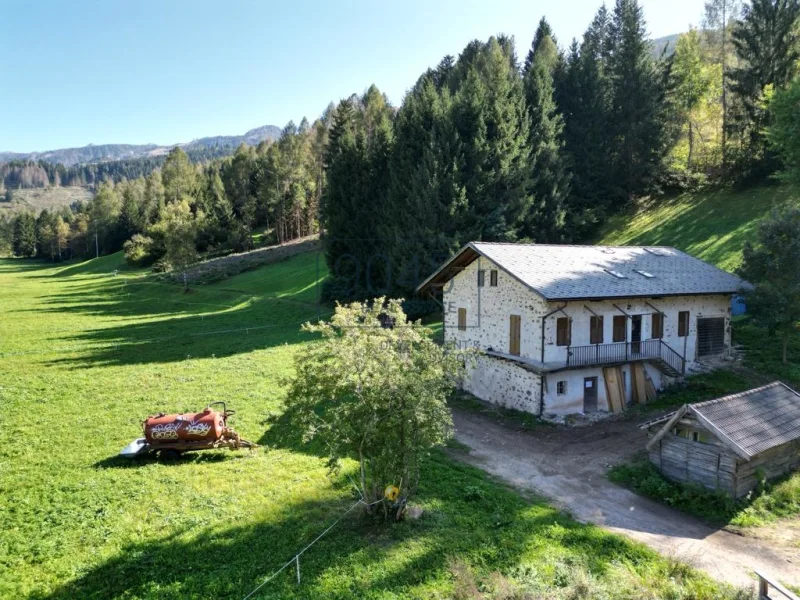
x=589 y=394
x=514 y=335
x=636 y=333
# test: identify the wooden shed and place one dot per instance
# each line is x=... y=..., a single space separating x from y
x=730 y=443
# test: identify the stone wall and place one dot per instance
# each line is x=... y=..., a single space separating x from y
x=504 y=383
x=489 y=311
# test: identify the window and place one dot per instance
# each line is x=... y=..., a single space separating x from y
x=701 y=437
x=493 y=278
x=596 y=330
x=462 y=319
x=481 y=278
x=620 y=328
x=683 y=323
x=563 y=331
x=513 y=343
x=657 y=327
x=561 y=388
x=616 y=274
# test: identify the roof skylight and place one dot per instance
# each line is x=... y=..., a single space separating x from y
x=645 y=274
x=616 y=274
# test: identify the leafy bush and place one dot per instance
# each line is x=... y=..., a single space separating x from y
x=769 y=502
x=140 y=250
x=643 y=478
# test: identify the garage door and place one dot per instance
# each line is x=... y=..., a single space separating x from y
x=710 y=336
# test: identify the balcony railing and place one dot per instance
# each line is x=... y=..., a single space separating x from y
x=622 y=352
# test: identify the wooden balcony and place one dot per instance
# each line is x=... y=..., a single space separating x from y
x=624 y=352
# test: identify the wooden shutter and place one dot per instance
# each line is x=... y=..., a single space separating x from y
x=657 y=326
x=563 y=333
x=683 y=323
x=514 y=335
x=620 y=328
x=596 y=330
x=462 y=319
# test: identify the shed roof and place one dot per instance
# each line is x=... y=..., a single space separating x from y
x=561 y=272
x=748 y=422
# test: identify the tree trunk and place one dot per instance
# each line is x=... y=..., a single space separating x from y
x=785 y=346
x=691 y=146
x=724 y=93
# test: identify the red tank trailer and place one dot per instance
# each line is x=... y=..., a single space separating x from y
x=171 y=435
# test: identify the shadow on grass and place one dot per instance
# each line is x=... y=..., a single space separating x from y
x=490 y=527
x=194 y=457
x=156 y=322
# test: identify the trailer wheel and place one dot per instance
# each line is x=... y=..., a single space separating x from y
x=169 y=455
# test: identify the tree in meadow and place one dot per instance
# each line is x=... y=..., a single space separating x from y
x=177 y=231
x=375 y=394
x=766 y=42
x=105 y=210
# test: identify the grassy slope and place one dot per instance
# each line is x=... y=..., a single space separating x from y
x=39 y=198
x=714 y=226
x=710 y=225
x=85 y=355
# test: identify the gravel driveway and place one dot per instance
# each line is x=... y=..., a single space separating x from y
x=568 y=466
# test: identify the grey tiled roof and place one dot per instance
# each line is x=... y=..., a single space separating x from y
x=748 y=422
x=755 y=420
x=578 y=272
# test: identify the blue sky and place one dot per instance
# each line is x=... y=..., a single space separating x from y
x=78 y=72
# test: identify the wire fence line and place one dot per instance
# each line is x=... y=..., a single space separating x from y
x=296 y=558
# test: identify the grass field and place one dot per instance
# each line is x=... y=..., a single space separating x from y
x=40 y=198
x=86 y=355
x=710 y=225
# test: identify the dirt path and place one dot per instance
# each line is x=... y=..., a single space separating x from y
x=568 y=466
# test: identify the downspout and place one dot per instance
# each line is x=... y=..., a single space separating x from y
x=541 y=376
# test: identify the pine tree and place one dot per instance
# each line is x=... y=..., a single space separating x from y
x=550 y=182
x=428 y=201
x=357 y=172
x=492 y=122
x=24 y=241
x=584 y=98
x=637 y=103
x=766 y=42
x=542 y=31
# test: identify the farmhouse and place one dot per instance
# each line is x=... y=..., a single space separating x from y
x=730 y=443
x=579 y=329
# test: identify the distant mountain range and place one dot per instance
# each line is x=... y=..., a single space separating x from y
x=110 y=152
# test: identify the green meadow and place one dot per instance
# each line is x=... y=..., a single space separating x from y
x=88 y=350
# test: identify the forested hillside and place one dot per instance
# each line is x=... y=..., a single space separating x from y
x=544 y=145
x=69 y=157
